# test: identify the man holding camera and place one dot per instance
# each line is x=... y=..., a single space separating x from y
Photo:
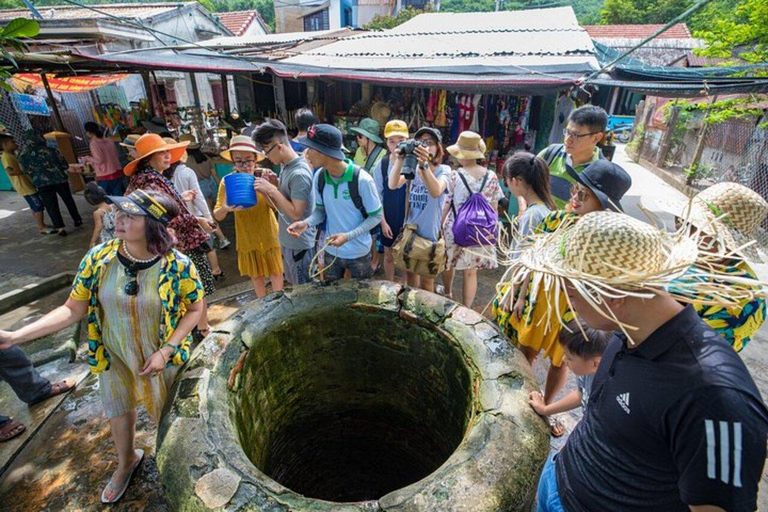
x=292 y=198
x=347 y=198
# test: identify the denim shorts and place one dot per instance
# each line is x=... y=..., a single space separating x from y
x=359 y=268
x=35 y=202
x=547 y=496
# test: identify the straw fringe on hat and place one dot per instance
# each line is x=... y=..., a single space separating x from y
x=469 y=146
x=151 y=143
x=607 y=255
x=730 y=212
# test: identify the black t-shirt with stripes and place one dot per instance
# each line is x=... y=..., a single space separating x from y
x=677 y=421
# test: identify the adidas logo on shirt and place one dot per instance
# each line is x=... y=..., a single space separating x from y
x=623 y=400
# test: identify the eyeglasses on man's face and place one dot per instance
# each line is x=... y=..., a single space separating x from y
x=568 y=134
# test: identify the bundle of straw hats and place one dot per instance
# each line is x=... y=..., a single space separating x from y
x=730 y=212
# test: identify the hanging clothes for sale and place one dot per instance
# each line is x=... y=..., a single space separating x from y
x=431 y=106
x=474 y=124
x=456 y=117
x=441 y=118
x=563 y=109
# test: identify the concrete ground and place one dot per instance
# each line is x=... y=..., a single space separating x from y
x=65 y=458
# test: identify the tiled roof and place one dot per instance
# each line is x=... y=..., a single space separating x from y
x=678 y=31
x=238 y=21
x=71 y=12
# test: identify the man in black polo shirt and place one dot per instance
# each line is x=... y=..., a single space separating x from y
x=675 y=421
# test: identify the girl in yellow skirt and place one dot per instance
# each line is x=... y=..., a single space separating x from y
x=600 y=186
x=258 y=251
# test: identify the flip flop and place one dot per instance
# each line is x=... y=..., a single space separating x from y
x=555 y=426
x=125 y=485
x=56 y=389
x=11 y=429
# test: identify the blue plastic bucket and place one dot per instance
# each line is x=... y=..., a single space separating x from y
x=240 y=190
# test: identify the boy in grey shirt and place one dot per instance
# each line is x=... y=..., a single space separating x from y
x=292 y=196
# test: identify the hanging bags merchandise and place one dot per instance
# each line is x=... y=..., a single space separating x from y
x=476 y=221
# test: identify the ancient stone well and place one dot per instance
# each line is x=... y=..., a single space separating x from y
x=355 y=396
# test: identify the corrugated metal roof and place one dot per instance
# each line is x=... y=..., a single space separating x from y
x=677 y=31
x=71 y=12
x=532 y=38
x=271 y=39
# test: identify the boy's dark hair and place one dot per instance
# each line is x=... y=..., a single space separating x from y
x=593 y=345
x=5 y=137
x=94 y=194
x=595 y=118
x=91 y=127
x=268 y=131
x=533 y=171
x=304 y=118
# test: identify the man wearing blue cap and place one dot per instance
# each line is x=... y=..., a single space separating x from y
x=347 y=199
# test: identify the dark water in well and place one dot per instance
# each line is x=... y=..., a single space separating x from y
x=348 y=406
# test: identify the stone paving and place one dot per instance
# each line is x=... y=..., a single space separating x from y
x=65 y=464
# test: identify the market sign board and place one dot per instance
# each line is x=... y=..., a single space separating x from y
x=31 y=104
x=70 y=83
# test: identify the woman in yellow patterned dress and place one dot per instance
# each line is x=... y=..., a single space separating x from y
x=727 y=215
x=534 y=329
x=141 y=298
x=256 y=229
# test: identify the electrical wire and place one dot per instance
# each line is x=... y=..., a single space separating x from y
x=645 y=41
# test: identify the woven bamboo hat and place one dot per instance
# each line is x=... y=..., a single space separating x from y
x=469 y=146
x=614 y=251
x=607 y=255
x=730 y=212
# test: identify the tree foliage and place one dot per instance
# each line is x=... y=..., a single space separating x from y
x=623 y=12
x=385 y=22
x=741 y=31
x=587 y=11
x=12 y=40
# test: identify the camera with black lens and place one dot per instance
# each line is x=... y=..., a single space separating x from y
x=410 y=161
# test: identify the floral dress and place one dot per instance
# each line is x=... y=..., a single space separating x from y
x=736 y=324
x=192 y=239
x=479 y=256
x=537 y=328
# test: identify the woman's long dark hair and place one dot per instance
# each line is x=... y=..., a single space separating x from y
x=533 y=171
x=159 y=239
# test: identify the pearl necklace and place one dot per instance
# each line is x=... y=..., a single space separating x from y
x=134 y=258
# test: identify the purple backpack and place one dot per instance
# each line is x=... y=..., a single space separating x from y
x=476 y=221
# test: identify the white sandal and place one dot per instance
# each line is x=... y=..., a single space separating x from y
x=125 y=485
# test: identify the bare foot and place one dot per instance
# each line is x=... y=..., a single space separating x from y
x=11 y=429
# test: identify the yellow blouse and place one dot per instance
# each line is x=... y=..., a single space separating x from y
x=256 y=227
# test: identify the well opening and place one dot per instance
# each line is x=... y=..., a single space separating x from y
x=347 y=405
